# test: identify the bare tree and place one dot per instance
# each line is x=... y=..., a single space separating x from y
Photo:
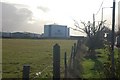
x=95 y=34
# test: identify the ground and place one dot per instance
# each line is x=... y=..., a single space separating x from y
x=38 y=54
x=35 y=52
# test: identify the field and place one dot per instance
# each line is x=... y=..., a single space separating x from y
x=38 y=53
x=34 y=52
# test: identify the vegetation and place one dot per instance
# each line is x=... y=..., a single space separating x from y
x=95 y=34
x=93 y=62
x=99 y=67
x=107 y=65
x=36 y=53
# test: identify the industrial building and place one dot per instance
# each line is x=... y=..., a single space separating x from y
x=19 y=35
x=56 y=31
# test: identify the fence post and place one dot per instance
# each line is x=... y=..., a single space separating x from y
x=56 y=62
x=26 y=71
x=65 y=63
x=74 y=53
x=74 y=49
x=71 y=58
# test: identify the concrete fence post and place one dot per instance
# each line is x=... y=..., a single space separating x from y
x=26 y=71
x=56 y=62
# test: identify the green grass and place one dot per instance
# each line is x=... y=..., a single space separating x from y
x=37 y=53
x=88 y=64
x=92 y=66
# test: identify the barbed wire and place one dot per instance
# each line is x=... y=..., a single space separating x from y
x=40 y=72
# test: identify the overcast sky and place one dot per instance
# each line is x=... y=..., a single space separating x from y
x=31 y=15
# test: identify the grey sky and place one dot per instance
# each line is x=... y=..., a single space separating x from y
x=44 y=9
x=119 y=15
x=18 y=19
x=31 y=15
x=13 y=18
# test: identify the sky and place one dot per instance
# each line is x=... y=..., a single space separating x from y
x=32 y=15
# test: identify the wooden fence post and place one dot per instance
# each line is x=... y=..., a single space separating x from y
x=65 y=63
x=56 y=62
x=74 y=50
x=26 y=71
x=71 y=58
x=74 y=53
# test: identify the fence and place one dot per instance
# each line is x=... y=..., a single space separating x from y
x=74 y=63
x=70 y=69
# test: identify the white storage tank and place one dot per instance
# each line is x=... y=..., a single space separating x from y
x=54 y=30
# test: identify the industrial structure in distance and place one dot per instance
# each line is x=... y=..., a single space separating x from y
x=56 y=31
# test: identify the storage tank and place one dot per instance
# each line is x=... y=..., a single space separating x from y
x=55 y=30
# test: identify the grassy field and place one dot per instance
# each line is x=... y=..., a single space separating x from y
x=37 y=53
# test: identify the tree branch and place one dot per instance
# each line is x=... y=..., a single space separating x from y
x=76 y=29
